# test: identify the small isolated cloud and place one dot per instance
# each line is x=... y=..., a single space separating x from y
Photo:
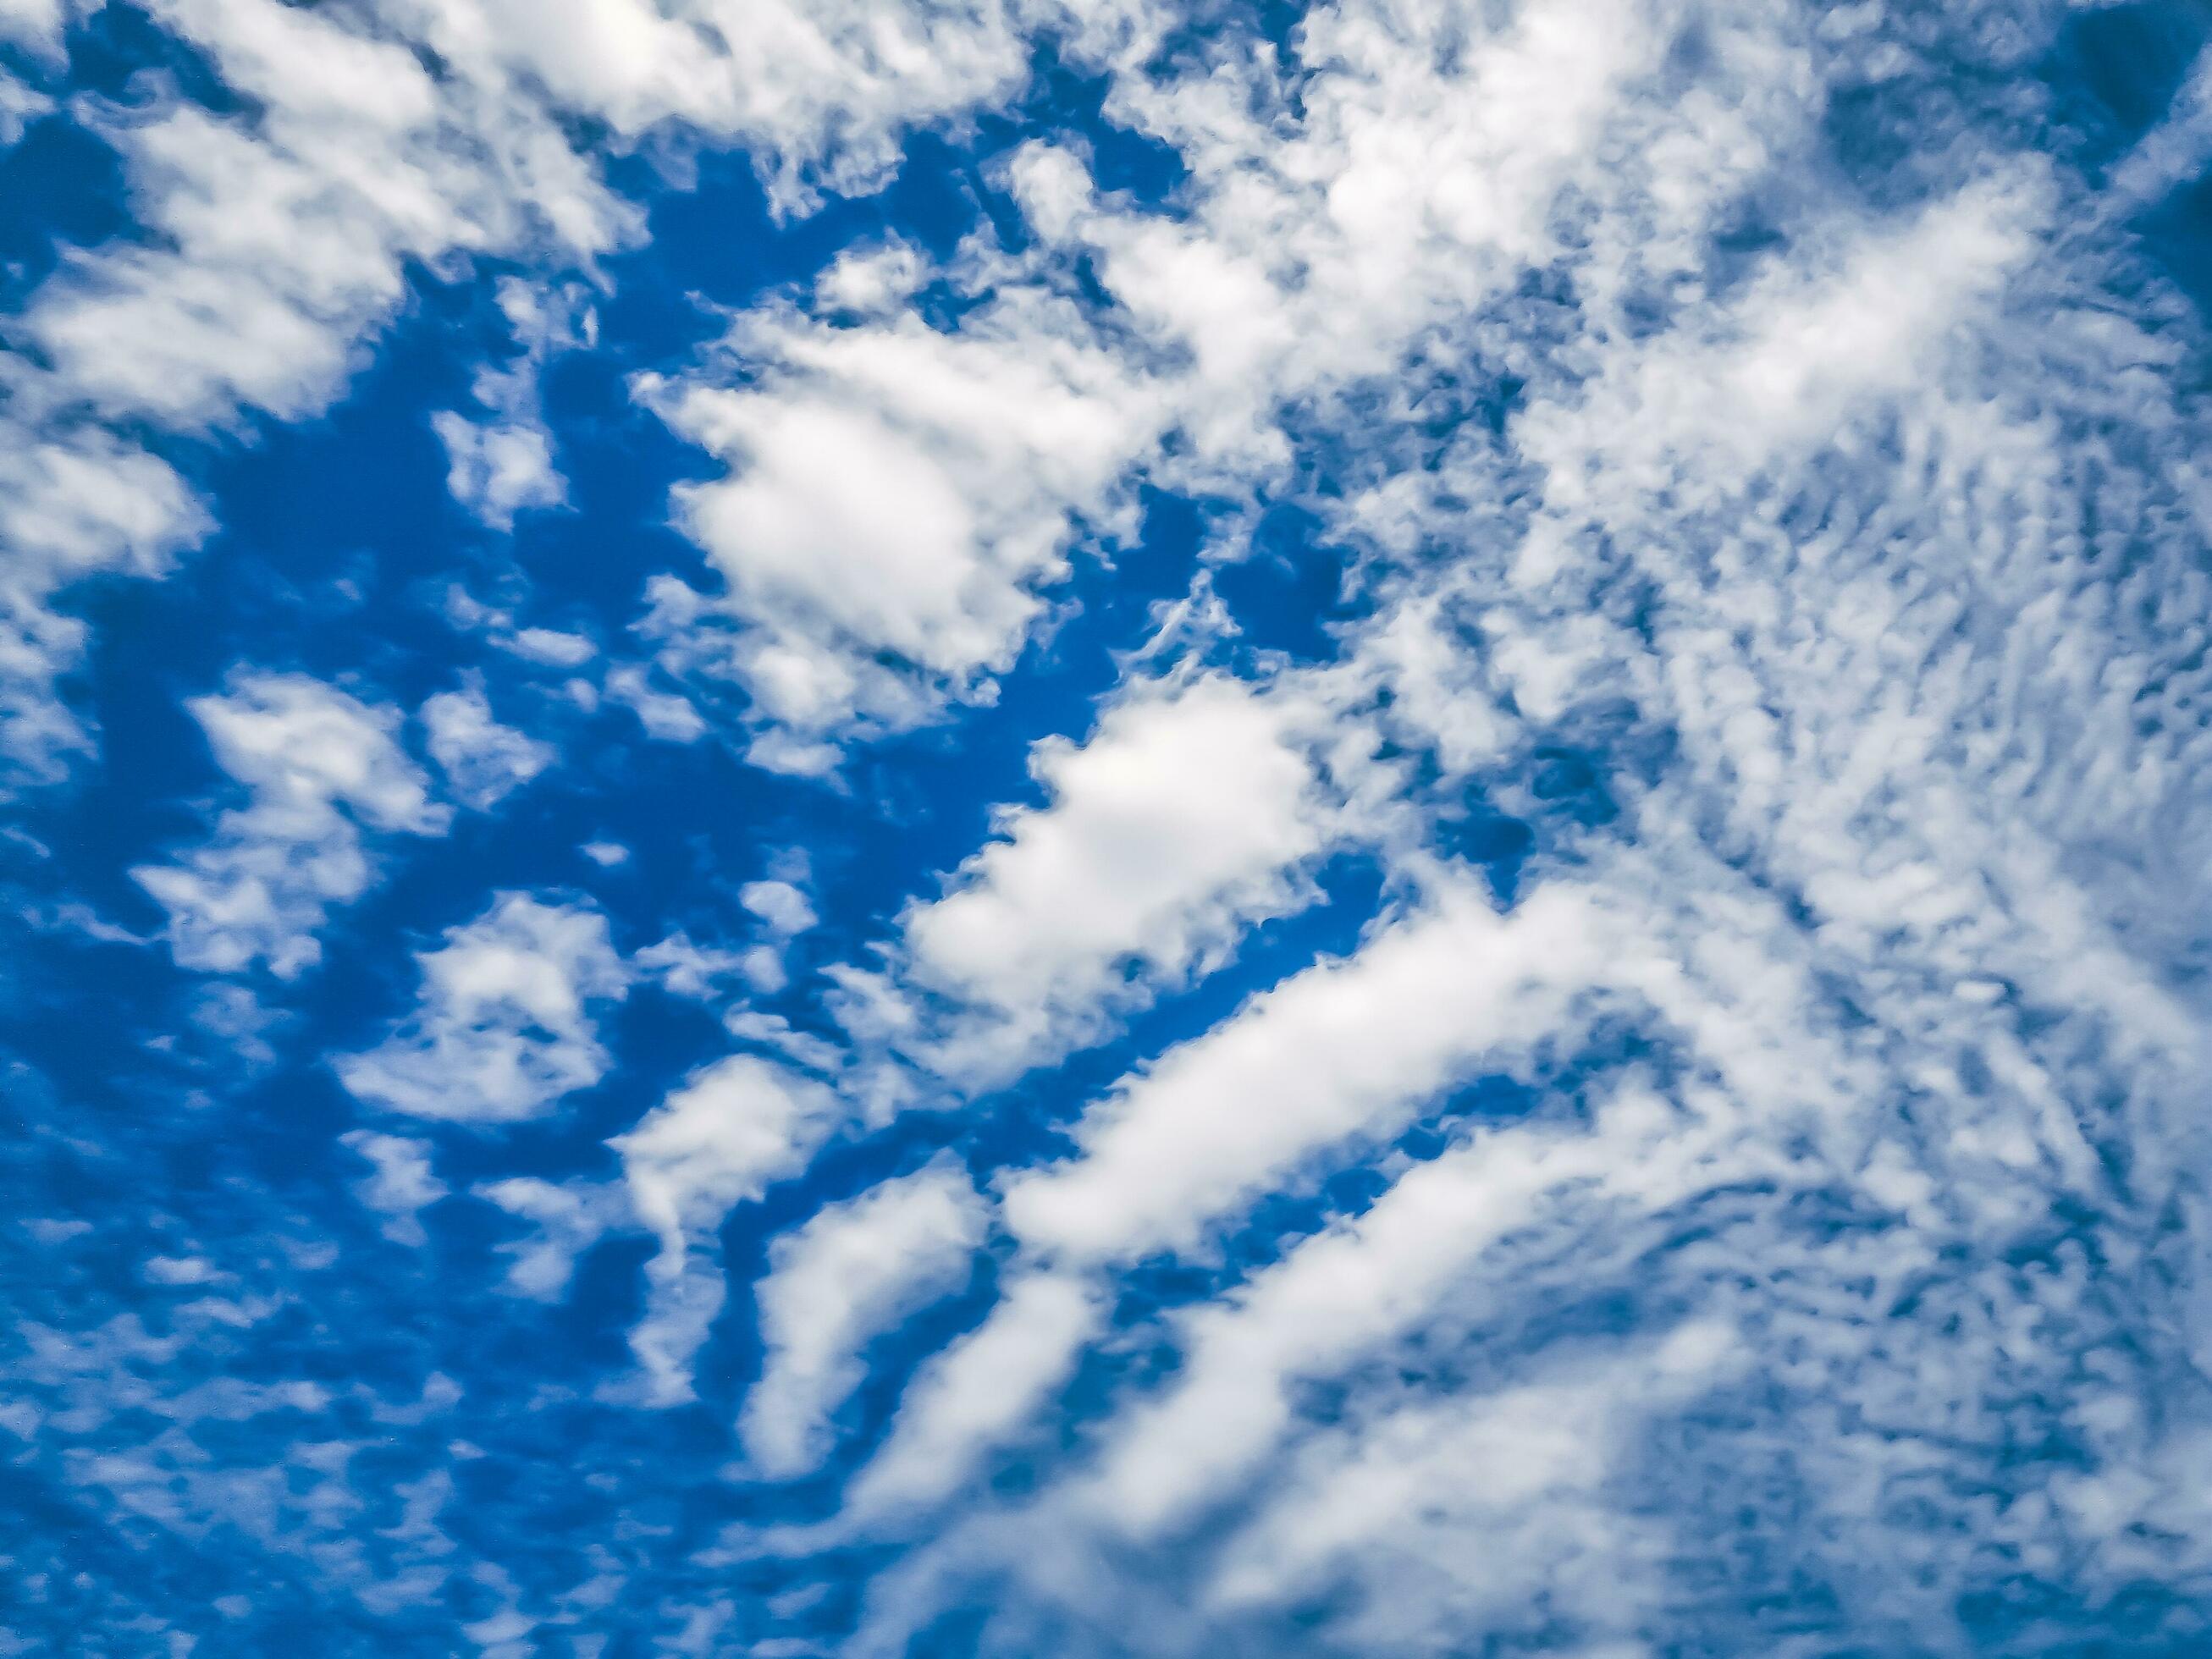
x=400 y=1184
x=550 y=646
x=499 y=468
x=684 y=968
x=568 y=1218
x=1177 y=818
x=320 y=767
x=483 y=761
x=1188 y=814
x=780 y=904
x=506 y=1021
x=501 y=463
x=730 y=1129
x=664 y=714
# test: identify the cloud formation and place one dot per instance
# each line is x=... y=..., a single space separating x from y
x=1375 y=829
x=506 y=1021
x=320 y=767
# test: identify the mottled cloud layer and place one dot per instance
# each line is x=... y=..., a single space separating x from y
x=1365 y=830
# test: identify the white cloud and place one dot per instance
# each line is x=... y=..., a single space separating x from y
x=180 y=1270
x=1419 y=174
x=1186 y=816
x=764 y=970
x=1794 y=358
x=686 y=969
x=733 y=1127
x=551 y=646
x=977 y=1394
x=1485 y=1510
x=320 y=767
x=775 y=1032
x=501 y=463
x=20 y=104
x=506 y=1020
x=820 y=92
x=684 y=1295
x=400 y=1184
x=849 y=1273
x=870 y=282
x=483 y=761
x=719 y=1140
x=34 y=23
x=780 y=904
x=895 y=497
x=569 y=1219
x=665 y=716
x=499 y=468
x=1172 y=825
x=1345 y=1049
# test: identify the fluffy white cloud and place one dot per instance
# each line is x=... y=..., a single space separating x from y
x=400 y=1182
x=507 y=1021
x=1344 y=1049
x=718 y=1141
x=821 y=93
x=1417 y=171
x=320 y=765
x=976 y=1394
x=499 y=468
x=664 y=715
x=780 y=904
x=849 y=1273
x=483 y=761
x=1188 y=814
x=1173 y=822
x=501 y=463
x=897 y=495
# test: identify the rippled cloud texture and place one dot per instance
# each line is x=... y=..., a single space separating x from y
x=1004 y=827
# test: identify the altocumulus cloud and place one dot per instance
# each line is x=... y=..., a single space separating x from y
x=1011 y=826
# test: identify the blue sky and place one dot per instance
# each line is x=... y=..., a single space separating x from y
x=1012 y=828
